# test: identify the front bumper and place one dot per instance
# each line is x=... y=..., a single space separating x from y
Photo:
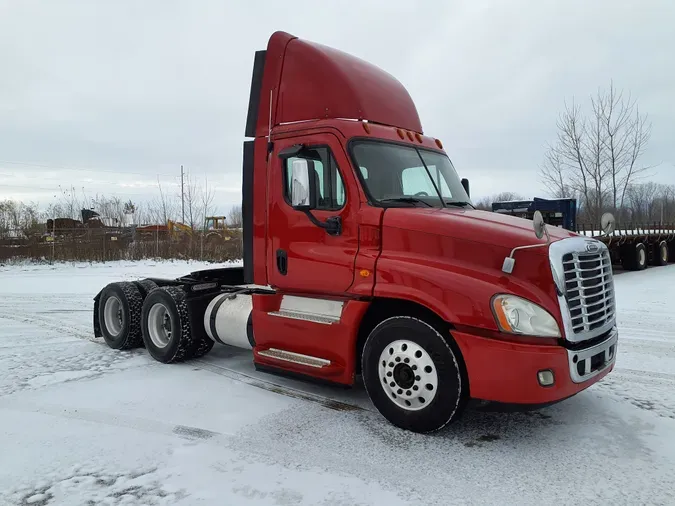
x=506 y=372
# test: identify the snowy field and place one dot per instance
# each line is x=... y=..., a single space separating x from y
x=81 y=424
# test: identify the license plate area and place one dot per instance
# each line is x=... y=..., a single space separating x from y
x=585 y=364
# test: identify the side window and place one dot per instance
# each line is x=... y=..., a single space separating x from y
x=329 y=183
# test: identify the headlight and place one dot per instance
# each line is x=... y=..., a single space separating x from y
x=519 y=316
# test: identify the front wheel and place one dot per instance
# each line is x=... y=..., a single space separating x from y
x=412 y=375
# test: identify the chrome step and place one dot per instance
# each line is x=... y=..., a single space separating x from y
x=309 y=317
x=296 y=358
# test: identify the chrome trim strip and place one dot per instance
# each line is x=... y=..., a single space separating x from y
x=296 y=315
x=296 y=358
x=311 y=309
x=586 y=354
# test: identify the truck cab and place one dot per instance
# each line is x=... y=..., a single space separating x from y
x=364 y=258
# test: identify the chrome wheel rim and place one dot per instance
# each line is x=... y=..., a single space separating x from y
x=408 y=375
x=641 y=256
x=160 y=326
x=664 y=253
x=112 y=315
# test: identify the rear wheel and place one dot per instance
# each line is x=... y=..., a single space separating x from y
x=119 y=313
x=167 y=330
x=145 y=286
x=634 y=257
x=165 y=323
x=660 y=254
x=412 y=375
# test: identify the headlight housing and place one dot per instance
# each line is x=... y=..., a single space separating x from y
x=516 y=315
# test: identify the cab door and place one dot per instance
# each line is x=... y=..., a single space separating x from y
x=301 y=256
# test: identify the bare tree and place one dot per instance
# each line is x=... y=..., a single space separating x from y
x=626 y=136
x=162 y=209
x=207 y=195
x=595 y=157
x=234 y=217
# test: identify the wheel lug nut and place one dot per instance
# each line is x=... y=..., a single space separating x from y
x=400 y=391
x=408 y=393
x=414 y=368
x=417 y=378
x=406 y=360
x=415 y=387
x=398 y=359
x=392 y=384
x=389 y=374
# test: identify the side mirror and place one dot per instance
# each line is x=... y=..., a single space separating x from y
x=465 y=184
x=302 y=185
x=607 y=223
x=539 y=225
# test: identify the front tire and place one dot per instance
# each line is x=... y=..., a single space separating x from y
x=119 y=315
x=412 y=375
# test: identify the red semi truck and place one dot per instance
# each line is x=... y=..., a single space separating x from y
x=364 y=256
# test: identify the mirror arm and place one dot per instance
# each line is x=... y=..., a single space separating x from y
x=332 y=225
x=510 y=262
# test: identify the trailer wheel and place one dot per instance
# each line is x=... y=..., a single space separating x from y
x=119 y=315
x=165 y=321
x=660 y=254
x=145 y=286
x=412 y=375
x=634 y=257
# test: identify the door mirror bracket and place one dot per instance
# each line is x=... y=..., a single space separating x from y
x=303 y=196
x=332 y=225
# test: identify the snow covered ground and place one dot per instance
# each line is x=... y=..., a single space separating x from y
x=82 y=424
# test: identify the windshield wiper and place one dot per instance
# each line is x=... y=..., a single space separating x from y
x=409 y=200
x=458 y=204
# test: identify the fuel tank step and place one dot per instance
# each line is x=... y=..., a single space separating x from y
x=296 y=358
x=310 y=317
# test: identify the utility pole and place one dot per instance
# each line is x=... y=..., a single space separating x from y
x=182 y=193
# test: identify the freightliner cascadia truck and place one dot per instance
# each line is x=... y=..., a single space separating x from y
x=364 y=260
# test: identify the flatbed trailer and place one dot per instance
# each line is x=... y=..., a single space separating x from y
x=634 y=246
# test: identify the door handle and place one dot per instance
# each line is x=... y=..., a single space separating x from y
x=282 y=261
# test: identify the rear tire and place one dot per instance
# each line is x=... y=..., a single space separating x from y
x=119 y=315
x=145 y=286
x=167 y=329
x=634 y=257
x=660 y=254
x=165 y=321
x=412 y=375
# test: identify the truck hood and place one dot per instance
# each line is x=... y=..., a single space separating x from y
x=470 y=225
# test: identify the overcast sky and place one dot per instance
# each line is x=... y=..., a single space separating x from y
x=123 y=92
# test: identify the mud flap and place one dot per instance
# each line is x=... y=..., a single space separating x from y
x=97 y=324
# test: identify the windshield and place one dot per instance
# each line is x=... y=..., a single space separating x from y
x=395 y=175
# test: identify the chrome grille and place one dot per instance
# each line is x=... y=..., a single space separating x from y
x=589 y=289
